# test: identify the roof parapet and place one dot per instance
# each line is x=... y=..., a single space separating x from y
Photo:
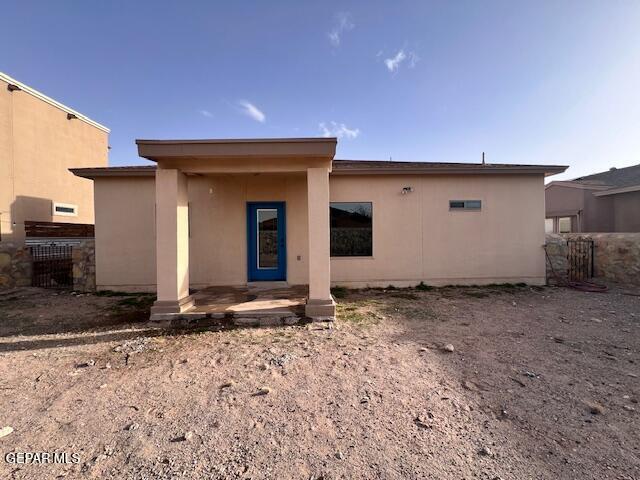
x=15 y=85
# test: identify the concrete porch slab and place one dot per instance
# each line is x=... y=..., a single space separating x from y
x=263 y=298
x=257 y=304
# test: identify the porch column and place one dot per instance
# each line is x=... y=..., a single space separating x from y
x=172 y=243
x=320 y=303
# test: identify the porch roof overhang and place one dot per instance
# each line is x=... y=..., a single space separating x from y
x=240 y=155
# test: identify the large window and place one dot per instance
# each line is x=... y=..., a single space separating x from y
x=351 y=232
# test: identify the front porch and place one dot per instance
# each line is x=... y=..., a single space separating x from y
x=232 y=212
x=256 y=304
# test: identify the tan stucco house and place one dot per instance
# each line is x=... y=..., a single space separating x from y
x=40 y=139
x=229 y=212
x=602 y=202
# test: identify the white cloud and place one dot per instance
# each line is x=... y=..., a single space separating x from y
x=206 y=113
x=252 y=111
x=394 y=62
x=340 y=130
x=342 y=24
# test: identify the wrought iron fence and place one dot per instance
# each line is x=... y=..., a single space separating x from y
x=52 y=266
x=580 y=259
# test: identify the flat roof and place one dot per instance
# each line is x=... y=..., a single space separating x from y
x=140 y=141
x=31 y=91
x=316 y=147
x=129 y=171
x=362 y=167
x=388 y=167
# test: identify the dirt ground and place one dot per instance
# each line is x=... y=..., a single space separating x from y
x=541 y=383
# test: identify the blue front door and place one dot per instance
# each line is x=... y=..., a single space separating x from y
x=266 y=241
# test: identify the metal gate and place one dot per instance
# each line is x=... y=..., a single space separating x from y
x=52 y=266
x=580 y=259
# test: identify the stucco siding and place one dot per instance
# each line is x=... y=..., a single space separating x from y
x=417 y=238
x=627 y=212
x=560 y=199
x=218 y=243
x=598 y=214
x=38 y=144
x=125 y=229
x=125 y=233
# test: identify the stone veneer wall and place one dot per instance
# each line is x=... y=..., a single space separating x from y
x=84 y=266
x=556 y=259
x=15 y=266
x=617 y=255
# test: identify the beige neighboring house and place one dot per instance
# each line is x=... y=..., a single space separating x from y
x=602 y=202
x=40 y=139
x=232 y=212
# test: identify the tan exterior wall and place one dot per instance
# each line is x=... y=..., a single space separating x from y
x=595 y=214
x=37 y=147
x=125 y=233
x=416 y=238
x=627 y=212
x=125 y=228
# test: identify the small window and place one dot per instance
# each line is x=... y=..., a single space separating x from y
x=65 y=210
x=548 y=225
x=564 y=224
x=465 y=204
x=351 y=229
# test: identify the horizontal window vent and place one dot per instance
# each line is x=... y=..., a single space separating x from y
x=465 y=204
x=64 y=209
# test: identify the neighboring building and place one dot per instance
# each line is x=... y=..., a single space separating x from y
x=40 y=139
x=228 y=212
x=603 y=202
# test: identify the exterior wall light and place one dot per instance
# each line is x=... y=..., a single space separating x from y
x=406 y=190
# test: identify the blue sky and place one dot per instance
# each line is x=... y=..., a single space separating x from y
x=526 y=82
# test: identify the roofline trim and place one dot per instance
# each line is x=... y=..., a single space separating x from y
x=215 y=141
x=615 y=191
x=41 y=96
x=144 y=171
x=575 y=184
x=448 y=170
x=92 y=173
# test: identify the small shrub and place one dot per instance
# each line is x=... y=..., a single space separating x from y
x=140 y=301
x=424 y=287
x=339 y=292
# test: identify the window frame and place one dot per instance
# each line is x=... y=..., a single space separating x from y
x=465 y=207
x=553 y=225
x=331 y=256
x=570 y=218
x=56 y=213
